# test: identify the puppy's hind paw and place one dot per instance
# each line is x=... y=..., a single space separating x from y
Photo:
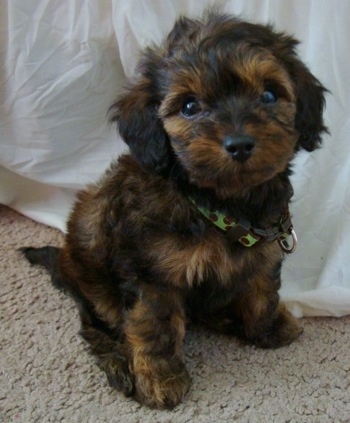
x=44 y=256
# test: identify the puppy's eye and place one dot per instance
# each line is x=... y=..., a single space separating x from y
x=190 y=107
x=268 y=97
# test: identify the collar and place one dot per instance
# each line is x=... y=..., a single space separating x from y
x=242 y=231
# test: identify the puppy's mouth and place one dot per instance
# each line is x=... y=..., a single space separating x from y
x=263 y=174
x=233 y=183
x=230 y=177
x=227 y=182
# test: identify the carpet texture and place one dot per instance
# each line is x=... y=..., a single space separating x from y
x=46 y=374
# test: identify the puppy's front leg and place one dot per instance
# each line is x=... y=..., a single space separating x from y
x=266 y=321
x=154 y=330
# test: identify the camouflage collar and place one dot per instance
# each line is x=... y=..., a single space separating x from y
x=242 y=231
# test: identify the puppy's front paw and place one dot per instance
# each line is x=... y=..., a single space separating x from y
x=162 y=392
x=282 y=330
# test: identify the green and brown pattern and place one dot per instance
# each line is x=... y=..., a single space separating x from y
x=226 y=224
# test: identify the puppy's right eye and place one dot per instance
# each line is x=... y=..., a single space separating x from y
x=190 y=107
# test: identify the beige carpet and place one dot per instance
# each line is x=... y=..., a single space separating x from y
x=46 y=374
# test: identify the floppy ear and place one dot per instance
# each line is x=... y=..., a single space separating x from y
x=310 y=104
x=136 y=112
x=310 y=93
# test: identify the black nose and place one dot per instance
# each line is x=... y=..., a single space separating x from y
x=240 y=147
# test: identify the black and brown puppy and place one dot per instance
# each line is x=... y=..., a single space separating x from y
x=192 y=224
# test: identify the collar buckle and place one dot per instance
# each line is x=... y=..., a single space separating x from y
x=284 y=244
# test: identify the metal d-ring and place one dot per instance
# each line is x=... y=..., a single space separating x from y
x=289 y=249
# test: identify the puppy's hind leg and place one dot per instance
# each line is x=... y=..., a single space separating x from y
x=107 y=345
x=47 y=257
x=105 y=342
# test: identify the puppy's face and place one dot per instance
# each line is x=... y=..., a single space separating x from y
x=230 y=115
x=227 y=100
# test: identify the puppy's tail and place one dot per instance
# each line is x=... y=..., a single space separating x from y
x=47 y=257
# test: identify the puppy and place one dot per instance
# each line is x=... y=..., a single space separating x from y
x=193 y=224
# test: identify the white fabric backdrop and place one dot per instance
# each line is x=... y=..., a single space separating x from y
x=62 y=64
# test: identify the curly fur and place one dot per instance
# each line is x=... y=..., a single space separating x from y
x=139 y=258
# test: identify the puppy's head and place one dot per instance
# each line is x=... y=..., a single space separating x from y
x=228 y=100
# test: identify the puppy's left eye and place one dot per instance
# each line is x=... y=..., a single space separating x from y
x=190 y=107
x=268 y=97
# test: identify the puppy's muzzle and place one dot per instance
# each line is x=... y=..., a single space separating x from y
x=240 y=147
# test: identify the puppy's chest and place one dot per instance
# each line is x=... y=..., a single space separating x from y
x=191 y=263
